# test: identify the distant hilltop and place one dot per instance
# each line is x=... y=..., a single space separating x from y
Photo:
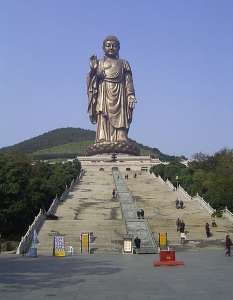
x=69 y=143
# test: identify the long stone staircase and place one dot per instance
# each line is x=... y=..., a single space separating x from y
x=91 y=208
x=158 y=202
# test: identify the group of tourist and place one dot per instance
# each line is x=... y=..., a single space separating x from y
x=180 y=225
x=179 y=203
x=137 y=241
x=140 y=214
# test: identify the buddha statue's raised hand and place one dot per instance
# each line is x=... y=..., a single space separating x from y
x=93 y=62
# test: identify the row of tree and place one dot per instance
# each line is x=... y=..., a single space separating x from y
x=27 y=186
x=209 y=176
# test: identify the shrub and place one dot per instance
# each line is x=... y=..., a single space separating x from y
x=51 y=217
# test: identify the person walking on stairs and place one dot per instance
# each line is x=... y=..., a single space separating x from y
x=182 y=226
x=178 y=221
x=207 y=229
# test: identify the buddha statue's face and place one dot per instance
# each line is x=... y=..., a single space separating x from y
x=111 y=49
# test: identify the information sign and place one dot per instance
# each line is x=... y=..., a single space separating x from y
x=59 y=245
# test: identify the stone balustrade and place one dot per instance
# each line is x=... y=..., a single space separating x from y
x=168 y=182
x=204 y=204
x=228 y=215
x=184 y=193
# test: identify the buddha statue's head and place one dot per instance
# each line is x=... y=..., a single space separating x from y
x=111 y=46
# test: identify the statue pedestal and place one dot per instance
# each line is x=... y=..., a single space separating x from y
x=124 y=162
x=110 y=148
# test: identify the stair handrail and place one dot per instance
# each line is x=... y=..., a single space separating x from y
x=184 y=193
x=26 y=240
x=168 y=182
x=227 y=214
x=151 y=233
x=204 y=204
x=160 y=179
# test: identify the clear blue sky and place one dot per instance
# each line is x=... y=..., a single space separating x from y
x=180 y=52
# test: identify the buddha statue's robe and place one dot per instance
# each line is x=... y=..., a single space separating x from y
x=108 y=89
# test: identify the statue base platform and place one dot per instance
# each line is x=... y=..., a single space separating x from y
x=115 y=147
x=124 y=162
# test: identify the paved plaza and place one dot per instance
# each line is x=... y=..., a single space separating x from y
x=205 y=275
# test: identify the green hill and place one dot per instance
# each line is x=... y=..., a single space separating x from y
x=70 y=143
x=51 y=139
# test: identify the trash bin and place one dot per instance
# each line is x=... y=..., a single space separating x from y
x=167 y=255
x=33 y=252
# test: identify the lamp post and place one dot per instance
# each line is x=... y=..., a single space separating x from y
x=177 y=182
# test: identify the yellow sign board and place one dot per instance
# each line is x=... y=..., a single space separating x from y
x=163 y=239
x=85 y=240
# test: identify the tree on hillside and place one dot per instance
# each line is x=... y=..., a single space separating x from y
x=209 y=176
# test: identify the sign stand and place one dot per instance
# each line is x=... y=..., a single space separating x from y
x=128 y=243
x=59 y=245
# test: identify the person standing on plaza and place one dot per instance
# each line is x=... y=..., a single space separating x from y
x=228 y=245
x=137 y=242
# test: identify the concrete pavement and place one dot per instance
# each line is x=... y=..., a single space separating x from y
x=205 y=275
